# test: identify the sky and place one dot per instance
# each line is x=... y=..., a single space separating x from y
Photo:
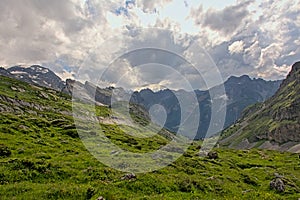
x=203 y=42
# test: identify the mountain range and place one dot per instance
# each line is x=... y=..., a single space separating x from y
x=241 y=92
x=43 y=157
x=35 y=74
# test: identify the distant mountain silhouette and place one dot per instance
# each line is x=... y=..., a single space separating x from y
x=240 y=93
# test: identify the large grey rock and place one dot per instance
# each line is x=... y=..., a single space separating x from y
x=277 y=184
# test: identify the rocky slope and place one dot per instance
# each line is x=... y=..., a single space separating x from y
x=34 y=74
x=240 y=93
x=274 y=124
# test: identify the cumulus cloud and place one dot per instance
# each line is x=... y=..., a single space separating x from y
x=151 y=5
x=236 y=47
x=38 y=31
x=252 y=53
x=82 y=38
x=148 y=57
x=27 y=27
x=260 y=41
x=64 y=75
x=269 y=55
x=225 y=21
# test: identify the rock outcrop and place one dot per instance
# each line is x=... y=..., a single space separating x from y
x=274 y=124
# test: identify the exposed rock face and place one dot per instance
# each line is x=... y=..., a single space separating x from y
x=278 y=185
x=276 y=121
x=67 y=89
x=284 y=108
x=90 y=92
x=35 y=74
x=4 y=72
x=241 y=92
x=16 y=103
x=38 y=75
x=21 y=98
x=103 y=96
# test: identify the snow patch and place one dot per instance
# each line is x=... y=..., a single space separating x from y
x=18 y=72
x=46 y=83
x=33 y=77
x=44 y=71
x=39 y=69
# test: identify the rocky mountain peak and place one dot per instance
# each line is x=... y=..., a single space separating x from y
x=295 y=73
x=296 y=67
x=35 y=74
x=274 y=124
x=292 y=79
x=241 y=79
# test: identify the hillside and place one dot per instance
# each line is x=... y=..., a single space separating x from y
x=42 y=157
x=35 y=74
x=240 y=93
x=274 y=124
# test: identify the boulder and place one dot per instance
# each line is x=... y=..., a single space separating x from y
x=129 y=177
x=212 y=155
x=277 y=184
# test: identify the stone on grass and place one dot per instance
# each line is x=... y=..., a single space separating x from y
x=129 y=177
x=277 y=184
x=212 y=155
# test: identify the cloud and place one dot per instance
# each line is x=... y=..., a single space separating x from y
x=269 y=55
x=252 y=53
x=225 y=21
x=38 y=31
x=236 y=47
x=66 y=75
x=151 y=5
x=259 y=39
x=144 y=57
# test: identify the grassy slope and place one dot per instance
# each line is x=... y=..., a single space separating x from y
x=49 y=161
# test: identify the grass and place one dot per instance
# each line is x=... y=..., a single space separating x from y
x=47 y=160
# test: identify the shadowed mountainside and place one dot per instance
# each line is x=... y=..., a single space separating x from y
x=274 y=124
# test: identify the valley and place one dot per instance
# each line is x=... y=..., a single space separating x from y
x=42 y=156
